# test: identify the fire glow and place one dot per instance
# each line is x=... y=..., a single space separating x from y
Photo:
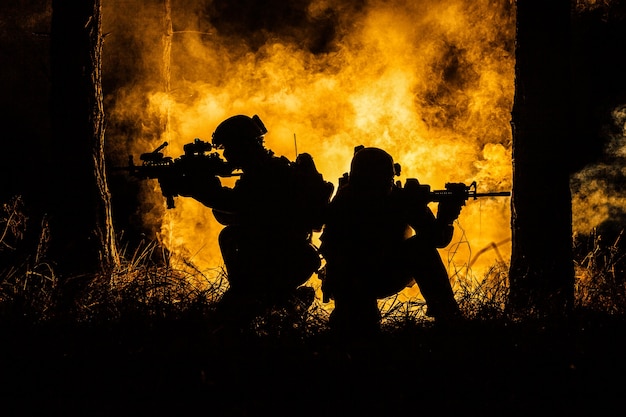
x=431 y=82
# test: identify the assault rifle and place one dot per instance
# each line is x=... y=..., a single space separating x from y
x=167 y=170
x=455 y=191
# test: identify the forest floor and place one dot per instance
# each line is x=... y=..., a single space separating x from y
x=183 y=368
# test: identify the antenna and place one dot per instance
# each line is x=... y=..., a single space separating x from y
x=295 y=144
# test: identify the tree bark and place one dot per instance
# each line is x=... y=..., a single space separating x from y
x=542 y=272
x=78 y=199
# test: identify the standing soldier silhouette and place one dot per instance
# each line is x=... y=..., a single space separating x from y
x=377 y=238
x=269 y=216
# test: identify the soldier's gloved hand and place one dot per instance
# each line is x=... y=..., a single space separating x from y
x=168 y=185
x=188 y=185
x=197 y=186
x=448 y=211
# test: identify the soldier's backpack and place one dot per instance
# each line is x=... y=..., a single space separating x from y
x=313 y=192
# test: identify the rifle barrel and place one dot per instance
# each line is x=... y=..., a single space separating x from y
x=492 y=194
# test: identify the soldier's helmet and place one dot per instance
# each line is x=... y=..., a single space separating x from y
x=238 y=129
x=372 y=168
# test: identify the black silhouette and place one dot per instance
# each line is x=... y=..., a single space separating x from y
x=270 y=214
x=379 y=236
x=172 y=173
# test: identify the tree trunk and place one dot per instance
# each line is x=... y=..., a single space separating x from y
x=542 y=272
x=79 y=215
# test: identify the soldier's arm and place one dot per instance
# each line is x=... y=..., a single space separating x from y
x=430 y=228
x=210 y=192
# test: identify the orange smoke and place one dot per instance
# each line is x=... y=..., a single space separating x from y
x=597 y=189
x=431 y=82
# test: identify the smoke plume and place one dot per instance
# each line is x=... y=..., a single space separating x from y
x=431 y=82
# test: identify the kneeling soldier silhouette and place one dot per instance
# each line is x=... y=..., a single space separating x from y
x=377 y=238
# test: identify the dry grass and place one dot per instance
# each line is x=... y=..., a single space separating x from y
x=600 y=273
x=150 y=285
x=140 y=343
x=154 y=284
x=28 y=285
x=600 y=285
x=141 y=287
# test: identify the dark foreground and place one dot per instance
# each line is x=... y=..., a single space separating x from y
x=180 y=368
